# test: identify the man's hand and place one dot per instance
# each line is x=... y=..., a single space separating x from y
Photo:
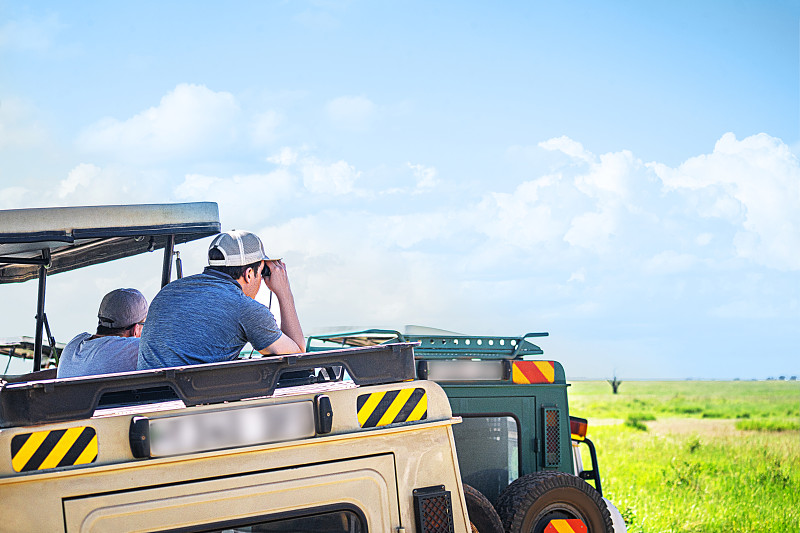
x=278 y=283
x=278 y=280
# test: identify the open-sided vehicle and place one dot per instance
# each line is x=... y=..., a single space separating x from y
x=519 y=449
x=230 y=446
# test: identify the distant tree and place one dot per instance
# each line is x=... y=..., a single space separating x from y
x=793 y=378
x=615 y=383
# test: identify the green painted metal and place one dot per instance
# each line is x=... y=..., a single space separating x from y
x=498 y=399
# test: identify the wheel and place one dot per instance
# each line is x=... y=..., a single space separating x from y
x=532 y=501
x=482 y=516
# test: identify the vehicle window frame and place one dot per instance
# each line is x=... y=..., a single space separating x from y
x=273 y=517
x=516 y=420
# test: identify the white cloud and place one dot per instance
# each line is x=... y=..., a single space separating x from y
x=28 y=34
x=754 y=184
x=89 y=184
x=354 y=113
x=244 y=200
x=19 y=125
x=345 y=270
x=80 y=176
x=569 y=147
x=611 y=177
x=592 y=231
x=264 y=128
x=517 y=218
x=190 y=120
x=336 y=178
x=426 y=176
x=704 y=239
x=670 y=262
x=14 y=197
x=286 y=157
x=579 y=276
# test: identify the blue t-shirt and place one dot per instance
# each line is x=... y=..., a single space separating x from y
x=203 y=318
x=103 y=355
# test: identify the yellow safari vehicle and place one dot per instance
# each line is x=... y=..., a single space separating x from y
x=223 y=447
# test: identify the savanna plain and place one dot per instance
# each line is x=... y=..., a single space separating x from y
x=697 y=456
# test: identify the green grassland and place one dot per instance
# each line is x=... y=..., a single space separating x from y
x=697 y=456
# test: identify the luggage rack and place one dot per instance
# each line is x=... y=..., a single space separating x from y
x=58 y=400
x=434 y=346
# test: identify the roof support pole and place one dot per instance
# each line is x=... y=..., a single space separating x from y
x=166 y=271
x=37 y=349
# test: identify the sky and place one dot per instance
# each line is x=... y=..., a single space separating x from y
x=622 y=175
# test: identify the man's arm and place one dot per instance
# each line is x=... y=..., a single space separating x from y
x=292 y=340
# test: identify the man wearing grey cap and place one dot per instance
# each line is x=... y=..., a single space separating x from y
x=115 y=345
x=210 y=317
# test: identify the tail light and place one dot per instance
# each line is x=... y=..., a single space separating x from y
x=578 y=427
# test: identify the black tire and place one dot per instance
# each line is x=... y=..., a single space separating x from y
x=482 y=516
x=530 y=502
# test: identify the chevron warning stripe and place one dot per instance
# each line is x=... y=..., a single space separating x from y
x=390 y=407
x=43 y=450
x=528 y=372
x=563 y=525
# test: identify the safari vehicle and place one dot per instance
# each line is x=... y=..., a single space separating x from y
x=16 y=354
x=233 y=446
x=519 y=449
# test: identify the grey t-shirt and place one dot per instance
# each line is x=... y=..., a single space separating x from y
x=203 y=318
x=103 y=355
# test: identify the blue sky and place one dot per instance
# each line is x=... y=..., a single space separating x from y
x=623 y=175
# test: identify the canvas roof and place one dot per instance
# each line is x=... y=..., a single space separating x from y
x=83 y=236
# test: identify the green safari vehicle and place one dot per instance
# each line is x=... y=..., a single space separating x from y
x=519 y=449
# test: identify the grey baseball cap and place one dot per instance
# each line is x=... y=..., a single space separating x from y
x=122 y=308
x=238 y=248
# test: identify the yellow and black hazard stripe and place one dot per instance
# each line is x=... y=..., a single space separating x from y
x=43 y=450
x=391 y=407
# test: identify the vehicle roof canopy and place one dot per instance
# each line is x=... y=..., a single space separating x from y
x=81 y=236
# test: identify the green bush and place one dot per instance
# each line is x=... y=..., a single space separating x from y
x=635 y=423
x=768 y=424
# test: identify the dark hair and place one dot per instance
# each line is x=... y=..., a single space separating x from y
x=104 y=330
x=235 y=272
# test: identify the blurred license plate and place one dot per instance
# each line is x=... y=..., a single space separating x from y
x=461 y=370
x=230 y=428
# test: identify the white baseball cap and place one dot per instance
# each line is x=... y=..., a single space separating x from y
x=238 y=248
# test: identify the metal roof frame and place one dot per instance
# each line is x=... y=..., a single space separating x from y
x=50 y=240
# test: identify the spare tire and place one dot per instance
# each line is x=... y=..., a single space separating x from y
x=482 y=516
x=529 y=503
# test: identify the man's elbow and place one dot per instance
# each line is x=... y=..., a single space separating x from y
x=283 y=346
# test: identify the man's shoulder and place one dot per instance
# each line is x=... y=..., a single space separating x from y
x=80 y=337
x=110 y=342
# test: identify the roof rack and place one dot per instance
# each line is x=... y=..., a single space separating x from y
x=47 y=401
x=434 y=346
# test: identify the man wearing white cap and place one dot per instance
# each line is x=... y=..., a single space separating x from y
x=209 y=317
x=115 y=345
